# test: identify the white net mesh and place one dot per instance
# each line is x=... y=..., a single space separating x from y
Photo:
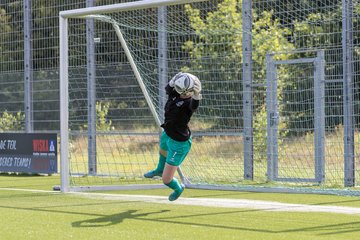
x=206 y=39
x=127 y=138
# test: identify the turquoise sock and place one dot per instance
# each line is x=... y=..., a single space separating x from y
x=161 y=164
x=174 y=184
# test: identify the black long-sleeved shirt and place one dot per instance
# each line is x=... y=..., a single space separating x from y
x=178 y=112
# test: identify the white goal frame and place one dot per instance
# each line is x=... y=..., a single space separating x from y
x=95 y=12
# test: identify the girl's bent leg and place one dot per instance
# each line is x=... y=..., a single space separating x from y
x=171 y=182
x=160 y=166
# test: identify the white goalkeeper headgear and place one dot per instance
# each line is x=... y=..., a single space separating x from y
x=184 y=83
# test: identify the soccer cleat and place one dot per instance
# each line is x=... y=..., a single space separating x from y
x=176 y=194
x=152 y=174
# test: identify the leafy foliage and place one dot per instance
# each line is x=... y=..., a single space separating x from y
x=225 y=26
x=11 y=122
x=102 y=110
x=102 y=121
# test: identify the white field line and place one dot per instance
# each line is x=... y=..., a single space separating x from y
x=211 y=202
x=228 y=203
x=28 y=190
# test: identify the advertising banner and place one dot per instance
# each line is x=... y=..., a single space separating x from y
x=28 y=152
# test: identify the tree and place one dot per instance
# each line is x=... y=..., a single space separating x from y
x=219 y=42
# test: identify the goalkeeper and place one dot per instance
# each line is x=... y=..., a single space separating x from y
x=183 y=92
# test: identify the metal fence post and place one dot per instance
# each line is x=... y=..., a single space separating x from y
x=247 y=90
x=319 y=113
x=271 y=108
x=91 y=86
x=348 y=88
x=28 y=69
x=163 y=64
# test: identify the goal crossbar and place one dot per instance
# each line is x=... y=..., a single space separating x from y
x=81 y=12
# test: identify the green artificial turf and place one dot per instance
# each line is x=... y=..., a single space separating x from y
x=53 y=215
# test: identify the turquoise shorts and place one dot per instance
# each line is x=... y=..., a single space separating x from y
x=176 y=151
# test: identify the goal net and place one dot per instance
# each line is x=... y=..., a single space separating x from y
x=270 y=116
x=116 y=61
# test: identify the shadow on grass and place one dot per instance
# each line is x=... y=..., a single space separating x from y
x=354 y=200
x=112 y=219
x=24 y=174
x=101 y=220
x=330 y=229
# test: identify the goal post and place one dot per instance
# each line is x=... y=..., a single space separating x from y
x=64 y=106
x=95 y=13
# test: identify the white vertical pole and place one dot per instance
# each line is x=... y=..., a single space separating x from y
x=64 y=106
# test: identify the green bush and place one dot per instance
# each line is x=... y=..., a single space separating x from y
x=11 y=122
